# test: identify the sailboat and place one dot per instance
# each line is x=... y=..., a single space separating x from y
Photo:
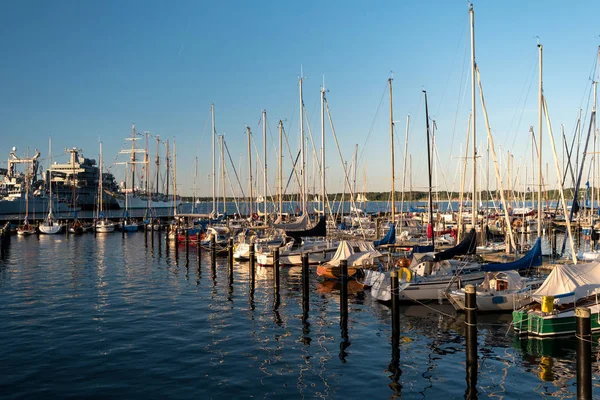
x=50 y=226
x=128 y=224
x=26 y=229
x=102 y=224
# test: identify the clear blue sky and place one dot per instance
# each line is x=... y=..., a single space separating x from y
x=81 y=71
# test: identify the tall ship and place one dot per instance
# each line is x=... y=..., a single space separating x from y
x=142 y=192
x=76 y=182
x=22 y=191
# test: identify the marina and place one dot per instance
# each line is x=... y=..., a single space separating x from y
x=105 y=306
x=271 y=228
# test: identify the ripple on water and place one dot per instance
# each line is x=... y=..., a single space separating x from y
x=110 y=317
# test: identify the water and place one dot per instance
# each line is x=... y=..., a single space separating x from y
x=110 y=317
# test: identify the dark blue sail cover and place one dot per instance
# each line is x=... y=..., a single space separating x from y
x=390 y=237
x=533 y=258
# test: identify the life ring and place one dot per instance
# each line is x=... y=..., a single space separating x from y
x=406 y=273
x=517 y=223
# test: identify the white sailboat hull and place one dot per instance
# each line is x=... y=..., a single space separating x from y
x=50 y=229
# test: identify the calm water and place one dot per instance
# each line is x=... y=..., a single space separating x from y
x=110 y=317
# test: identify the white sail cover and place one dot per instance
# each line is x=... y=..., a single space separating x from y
x=569 y=280
x=356 y=252
x=300 y=224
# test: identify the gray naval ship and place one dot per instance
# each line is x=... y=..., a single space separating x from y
x=74 y=185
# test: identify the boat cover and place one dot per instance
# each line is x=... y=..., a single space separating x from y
x=467 y=246
x=390 y=237
x=355 y=252
x=566 y=281
x=533 y=258
x=300 y=223
x=320 y=229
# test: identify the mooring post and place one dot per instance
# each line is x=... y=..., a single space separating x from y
x=176 y=243
x=158 y=238
x=252 y=259
x=187 y=244
x=213 y=251
x=377 y=228
x=394 y=366
x=230 y=257
x=276 y=269
x=395 y=309
x=583 y=333
x=344 y=309
x=198 y=250
x=305 y=280
x=344 y=288
x=471 y=340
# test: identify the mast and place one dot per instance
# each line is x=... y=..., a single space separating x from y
x=214 y=190
x=593 y=159
x=174 y=177
x=168 y=164
x=132 y=156
x=264 y=121
x=195 y=182
x=280 y=180
x=222 y=141
x=250 y=167
x=404 y=170
x=541 y=100
x=429 y=169
x=147 y=173
x=302 y=152
x=100 y=179
x=323 y=148
x=355 y=162
x=473 y=120
x=157 y=163
x=50 y=179
x=392 y=150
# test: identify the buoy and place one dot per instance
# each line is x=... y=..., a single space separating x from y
x=404 y=272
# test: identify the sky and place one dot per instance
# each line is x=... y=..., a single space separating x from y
x=83 y=72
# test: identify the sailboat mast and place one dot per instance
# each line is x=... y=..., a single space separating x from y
x=354 y=169
x=302 y=152
x=214 y=190
x=167 y=162
x=157 y=163
x=323 y=148
x=147 y=172
x=50 y=177
x=593 y=159
x=132 y=156
x=392 y=151
x=280 y=169
x=264 y=123
x=541 y=100
x=100 y=179
x=473 y=120
x=174 y=177
x=250 y=168
x=222 y=141
x=404 y=171
x=429 y=170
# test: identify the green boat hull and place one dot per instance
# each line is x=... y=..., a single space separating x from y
x=538 y=324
